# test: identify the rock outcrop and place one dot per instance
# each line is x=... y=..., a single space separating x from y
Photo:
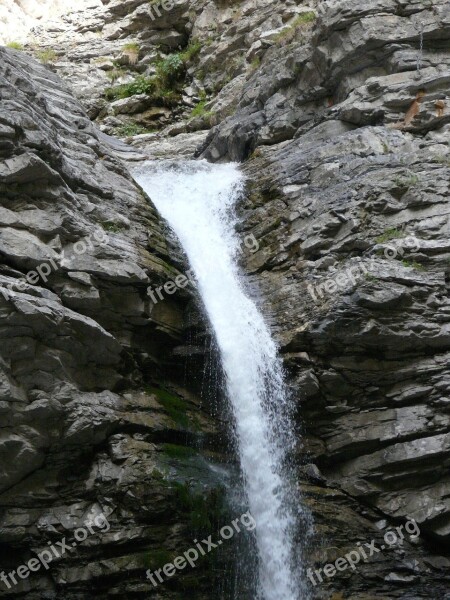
x=349 y=62
x=354 y=252
x=94 y=418
x=351 y=216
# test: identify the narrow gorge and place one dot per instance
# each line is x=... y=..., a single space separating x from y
x=224 y=276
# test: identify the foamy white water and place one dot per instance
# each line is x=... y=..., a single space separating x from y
x=197 y=198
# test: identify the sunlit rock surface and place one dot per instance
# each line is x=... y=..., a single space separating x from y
x=19 y=17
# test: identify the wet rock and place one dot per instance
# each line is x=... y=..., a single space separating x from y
x=85 y=421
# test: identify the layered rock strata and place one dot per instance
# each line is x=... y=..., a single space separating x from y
x=95 y=419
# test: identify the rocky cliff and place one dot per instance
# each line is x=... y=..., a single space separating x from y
x=95 y=416
x=340 y=113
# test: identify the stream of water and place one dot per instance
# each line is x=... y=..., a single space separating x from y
x=197 y=200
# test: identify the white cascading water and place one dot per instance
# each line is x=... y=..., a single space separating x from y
x=197 y=199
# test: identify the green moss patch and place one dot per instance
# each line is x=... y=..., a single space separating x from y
x=390 y=234
x=156 y=559
x=205 y=509
x=175 y=407
x=176 y=451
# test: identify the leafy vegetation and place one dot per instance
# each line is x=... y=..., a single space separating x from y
x=201 y=75
x=390 y=234
x=145 y=85
x=192 y=51
x=131 y=129
x=301 y=22
x=170 y=70
x=132 y=47
x=305 y=18
x=141 y=85
x=200 y=111
x=164 y=86
x=15 y=45
x=46 y=56
x=156 y=559
x=112 y=227
x=255 y=64
x=413 y=265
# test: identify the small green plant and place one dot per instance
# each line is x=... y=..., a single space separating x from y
x=201 y=75
x=166 y=97
x=390 y=234
x=200 y=111
x=141 y=85
x=192 y=51
x=132 y=47
x=163 y=87
x=407 y=182
x=131 y=129
x=112 y=227
x=255 y=64
x=46 y=56
x=15 y=45
x=131 y=51
x=158 y=475
x=305 y=18
x=301 y=22
x=170 y=70
x=413 y=265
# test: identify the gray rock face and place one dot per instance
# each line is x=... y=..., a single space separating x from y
x=353 y=265
x=354 y=64
x=86 y=428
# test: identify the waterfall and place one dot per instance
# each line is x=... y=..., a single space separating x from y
x=197 y=200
